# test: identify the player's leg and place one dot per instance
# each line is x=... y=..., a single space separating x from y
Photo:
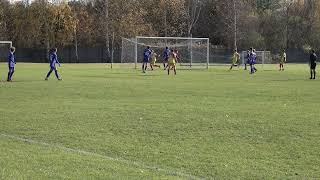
x=164 y=63
x=175 y=69
x=8 y=78
x=57 y=74
x=9 y=74
x=314 y=71
x=49 y=73
x=254 y=68
x=12 y=72
x=146 y=66
x=151 y=66
x=168 y=68
x=143 y=68
x=231 y=67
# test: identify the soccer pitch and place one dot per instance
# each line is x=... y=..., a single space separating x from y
x=100 y=123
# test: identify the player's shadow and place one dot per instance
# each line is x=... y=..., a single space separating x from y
x=149 y=75
x=22 y=81
x=123 y=73
x=287 y=80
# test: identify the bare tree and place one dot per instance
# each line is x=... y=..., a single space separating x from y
x=106 y=28
x=193 y=13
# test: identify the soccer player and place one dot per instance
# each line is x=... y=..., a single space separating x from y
x=283 y=59
x=153 y=60
x=146 y=58
x=53 y=57
x=177 y=55
x=313 y=64
x=253 y=61
x=172 y=62
x=11 y=63
x=235 y=59
x=166 y=55
x=247 y=60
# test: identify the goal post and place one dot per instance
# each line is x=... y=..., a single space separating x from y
x=193 y=52
x=4 y=49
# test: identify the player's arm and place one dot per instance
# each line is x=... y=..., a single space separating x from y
x=56 y=58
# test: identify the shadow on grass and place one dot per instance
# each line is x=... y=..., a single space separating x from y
x=22 y=81
x=290 y=80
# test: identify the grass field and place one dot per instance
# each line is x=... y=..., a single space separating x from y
x=121 y=124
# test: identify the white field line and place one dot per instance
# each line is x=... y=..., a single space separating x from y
x=116 y=159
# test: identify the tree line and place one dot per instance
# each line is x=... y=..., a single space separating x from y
x=263 y=24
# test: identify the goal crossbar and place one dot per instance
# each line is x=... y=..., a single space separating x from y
x=172 y=38
x=6 y=42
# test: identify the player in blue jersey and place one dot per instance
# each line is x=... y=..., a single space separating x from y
x=146 y=58
x=53 y=58
x=253 y=61
x=247 y=60
x=11 y=63
x=166 y=55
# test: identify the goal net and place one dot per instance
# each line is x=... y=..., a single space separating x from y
x=4 y=50
x=193 y=52
x=263 y=57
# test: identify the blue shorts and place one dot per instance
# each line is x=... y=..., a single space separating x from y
x=146 y=60
x=53 y=68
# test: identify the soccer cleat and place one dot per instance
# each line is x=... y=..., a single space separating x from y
x=59 y=79
x=46 y=79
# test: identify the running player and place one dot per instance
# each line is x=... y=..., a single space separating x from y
x=166 y=55
x=146 y=58
x=153 y=60
x=172 y=62
x=235 y=59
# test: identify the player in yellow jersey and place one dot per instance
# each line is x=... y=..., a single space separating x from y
x=172 y=61
x=283 y=59
x=235 y=59
x=153 y=60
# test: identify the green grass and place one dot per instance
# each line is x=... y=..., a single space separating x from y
x=208 y=124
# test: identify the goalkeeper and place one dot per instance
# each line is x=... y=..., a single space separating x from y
x=153 y=60
x=235 y=59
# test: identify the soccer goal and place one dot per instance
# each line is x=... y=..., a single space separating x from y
x=4 y=50
x=193 y=52
x=263 y=57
